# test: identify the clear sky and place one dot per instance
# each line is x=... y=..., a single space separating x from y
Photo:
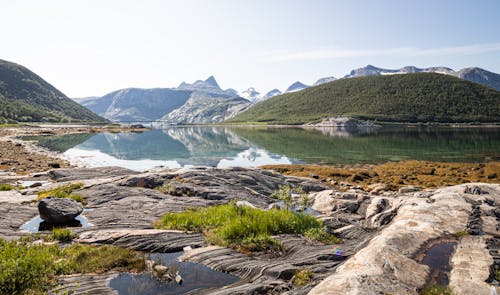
x=90 y=48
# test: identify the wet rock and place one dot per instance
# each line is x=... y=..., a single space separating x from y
x=54 y=165
x=59 y=210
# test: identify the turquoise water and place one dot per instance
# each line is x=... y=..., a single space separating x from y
x=254 y=146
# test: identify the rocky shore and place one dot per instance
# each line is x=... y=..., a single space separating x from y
x=389 y=234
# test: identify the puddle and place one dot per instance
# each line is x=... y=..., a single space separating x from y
x=37 y=224
x=195 y=277
x=32 y=183
x=438 y=259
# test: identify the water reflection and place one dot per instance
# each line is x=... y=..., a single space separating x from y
x=243 y=146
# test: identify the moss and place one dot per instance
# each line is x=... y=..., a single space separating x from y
x=27 y=268
x=436 y=290
x=462 y=233
x=319 y=234
x=6 y=187
x=64 y=191
x=302 y=277
x=242 y=228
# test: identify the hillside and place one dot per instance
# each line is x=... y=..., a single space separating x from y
x=421 y=97
x=24 y=96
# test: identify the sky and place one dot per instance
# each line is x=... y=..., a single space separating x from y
x=90 y=48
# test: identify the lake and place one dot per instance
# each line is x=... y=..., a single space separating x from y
x=255 y=146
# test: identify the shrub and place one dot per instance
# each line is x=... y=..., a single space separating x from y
x=302 y=277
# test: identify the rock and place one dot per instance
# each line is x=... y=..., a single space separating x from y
x=408 y=189
x=59 y=210
x=387 y=263
x=245 y=204
x=54 y=165
x=470 y=267
x=377 y=188
x=328 y=201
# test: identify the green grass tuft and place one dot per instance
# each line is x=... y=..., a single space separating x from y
x=243 y=228
x=319 y=234
x=302 y=277
x=6 y=187
x=31 y=269
x=64 y=191
x=62 y=235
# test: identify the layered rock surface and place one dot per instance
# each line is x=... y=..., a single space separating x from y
x=384 y=236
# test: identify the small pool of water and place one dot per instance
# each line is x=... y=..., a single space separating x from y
x=37 y=224
x=438 y=259
x=195 y=277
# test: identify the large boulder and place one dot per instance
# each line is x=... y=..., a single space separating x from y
x=59 y=210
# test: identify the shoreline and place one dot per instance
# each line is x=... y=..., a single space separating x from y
x=424 y=174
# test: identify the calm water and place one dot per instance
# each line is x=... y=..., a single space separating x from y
x=254 y=146
x=195 y=277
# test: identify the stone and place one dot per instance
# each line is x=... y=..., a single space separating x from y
x=408 y=189
x=245 y=204
x=377 y=188
x=59 y=210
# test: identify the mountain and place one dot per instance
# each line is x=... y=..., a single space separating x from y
x=134 y=104
x=480 y=76
x=415 y=97
x=206 y=108
x=25 y=96
x=296 y=86
x=324 y=80
x=210 y=85
x=476 y=75
x=251 y=94
x=200 y=102
x=272 y=93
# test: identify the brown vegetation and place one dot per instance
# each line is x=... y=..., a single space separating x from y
x=397 y=174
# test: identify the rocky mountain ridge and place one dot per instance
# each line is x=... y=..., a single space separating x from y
x=203 y=101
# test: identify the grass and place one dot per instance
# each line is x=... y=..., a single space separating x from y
x=302 y=277
x=62 y=235
x=27 y=268
x=244 y=228
x=6 y=125
x=436 y=290
x=6 y=187
x=64 y=191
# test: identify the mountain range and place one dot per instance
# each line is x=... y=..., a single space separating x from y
x=412 y=97
x=204 y=101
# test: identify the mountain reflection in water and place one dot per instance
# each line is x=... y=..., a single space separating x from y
x=254 y=146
